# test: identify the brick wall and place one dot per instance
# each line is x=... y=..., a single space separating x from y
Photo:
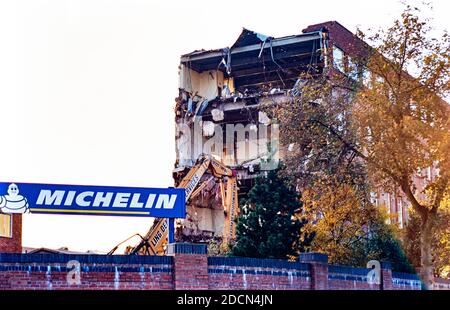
x=405 y=281
x=342 y=37
x=441 y=284
x=14 y=244
x=248 y=273
x=188 y=267
x=50 y=271
x=347 y=278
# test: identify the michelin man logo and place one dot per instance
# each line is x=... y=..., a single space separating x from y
x=13 y=202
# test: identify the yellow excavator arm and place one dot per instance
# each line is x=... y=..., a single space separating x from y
x=156 y=238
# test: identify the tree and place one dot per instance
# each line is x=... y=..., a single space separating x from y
x=383 y=244
x=338 y=217
x=440 y=244
x=334 y=183
x=384 y=132
x=401 y=122
x=348 y=227
x=396 y=125
x=268 y=226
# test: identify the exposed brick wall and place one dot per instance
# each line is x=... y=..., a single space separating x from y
x=188 y=267
x=342 y=37
x=14 y=244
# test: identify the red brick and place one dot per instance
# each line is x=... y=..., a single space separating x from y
x=14 y=244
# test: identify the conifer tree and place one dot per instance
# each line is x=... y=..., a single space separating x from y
x=269 y=225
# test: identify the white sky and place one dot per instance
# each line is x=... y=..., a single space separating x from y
x=87 y=90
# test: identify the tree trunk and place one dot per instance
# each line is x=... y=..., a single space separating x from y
x=428 y=219
x=426 y=237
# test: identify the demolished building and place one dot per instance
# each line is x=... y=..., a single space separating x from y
x=219 y=110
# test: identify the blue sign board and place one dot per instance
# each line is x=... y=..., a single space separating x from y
x=92 y=200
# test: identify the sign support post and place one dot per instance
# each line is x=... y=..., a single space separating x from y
x=171 y=230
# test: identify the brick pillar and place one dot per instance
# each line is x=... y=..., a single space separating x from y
x=319 y=269
x=386 y=276
x=13 y=244
x=190 y=266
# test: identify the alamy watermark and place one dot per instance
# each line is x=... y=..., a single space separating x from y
x=374 y=275
x=234 y=143
x=74 y=275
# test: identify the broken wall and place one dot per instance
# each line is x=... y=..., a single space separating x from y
x=207 y=84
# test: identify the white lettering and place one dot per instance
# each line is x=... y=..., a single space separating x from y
x=81 y=199
x=47 y=198
x=69 y=198
x=104 y=200
x=121 y=200
x=135 y=201
x=166 y=202
x=191 y=185
x=150 y=200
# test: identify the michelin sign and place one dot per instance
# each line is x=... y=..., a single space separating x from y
x=92 y=200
